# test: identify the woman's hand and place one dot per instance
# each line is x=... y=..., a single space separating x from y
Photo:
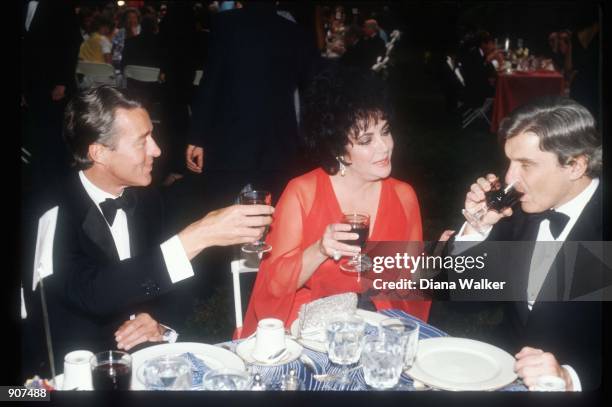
x=331 y=244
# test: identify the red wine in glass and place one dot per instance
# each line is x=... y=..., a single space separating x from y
x=256 y=198
x=111 y=370
x=360 y=224
x=497 y=199
x=111 y=376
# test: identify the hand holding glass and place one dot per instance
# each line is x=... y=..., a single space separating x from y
x=497 y=199
x=360 y=224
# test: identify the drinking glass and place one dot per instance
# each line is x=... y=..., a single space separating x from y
x=404 y=332
x=382 y=361
x=497 y=199
x=256 y=198
x=360 y=224
x=166 y=373
x=227 y=379
x=111 y=370
x=345 y=334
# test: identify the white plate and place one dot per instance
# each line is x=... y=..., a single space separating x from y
x=213 y=356
x=318 y=342
x=460 y=364
x=246 y=347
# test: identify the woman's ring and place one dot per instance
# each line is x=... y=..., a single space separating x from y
x=336 y=255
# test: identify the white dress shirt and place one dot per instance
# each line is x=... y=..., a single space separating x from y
x=178 y=265
x=544 y=254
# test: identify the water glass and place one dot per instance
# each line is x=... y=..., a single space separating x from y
x=345 y=335
x=166 y=373
x=227 y=379
x=405 y=332
x=382 y=362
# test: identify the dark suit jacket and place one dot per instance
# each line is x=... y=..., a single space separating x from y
x=144 y=50
x=91 y=292
x=571 y=330
x=244 y=113
x=476 y=73
x=50 y=49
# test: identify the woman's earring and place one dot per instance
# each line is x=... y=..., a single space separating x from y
x=341 y=166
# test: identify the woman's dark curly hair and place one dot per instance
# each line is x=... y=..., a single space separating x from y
x=339 y=104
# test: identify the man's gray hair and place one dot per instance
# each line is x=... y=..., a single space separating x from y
x=564 y=127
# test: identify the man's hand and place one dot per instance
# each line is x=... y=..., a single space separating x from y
x=532 y=363
x=194 y=158
x=58 y=92
x=235 y=224
x=475 y=203
x=141 y=329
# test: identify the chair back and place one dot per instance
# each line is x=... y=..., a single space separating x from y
x=198 y=77
x=141 y=73
x=239 y=267
x=95 y=73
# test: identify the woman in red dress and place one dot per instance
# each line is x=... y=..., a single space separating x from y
x=347 y=125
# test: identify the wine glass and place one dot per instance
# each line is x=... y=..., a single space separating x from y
x=497 y=199
x=360 y=224
x=256 y=198
x=345 y=335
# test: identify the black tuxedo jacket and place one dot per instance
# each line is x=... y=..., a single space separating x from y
x=91 y=293
x=571 y=330
x=243 y=113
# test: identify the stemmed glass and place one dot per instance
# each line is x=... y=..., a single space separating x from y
x=345 y=337
x=256 y=198
x=497 y=199
x=360 y=224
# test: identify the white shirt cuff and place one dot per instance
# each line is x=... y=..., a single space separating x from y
x=178 y=265
x=472 y=237
x=574 y=376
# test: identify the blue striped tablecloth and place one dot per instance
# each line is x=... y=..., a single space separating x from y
x=272 y=376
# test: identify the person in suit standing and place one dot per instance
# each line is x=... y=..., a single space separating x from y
x=244 y=125
x=555 y=159
x=50 y=40
x=112 y=257
x=479 y=69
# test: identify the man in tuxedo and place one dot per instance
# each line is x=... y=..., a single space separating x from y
x=244 y=126
x=555 y=162
x=113 y=262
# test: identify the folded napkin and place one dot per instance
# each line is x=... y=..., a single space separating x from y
x=198 y=368
x=313 y=316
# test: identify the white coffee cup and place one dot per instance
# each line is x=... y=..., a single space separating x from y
x=269 y=339
x=77 y=371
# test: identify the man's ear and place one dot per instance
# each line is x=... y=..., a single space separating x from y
x=578 y=166
x=97 y=153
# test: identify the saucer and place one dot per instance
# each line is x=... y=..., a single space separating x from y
x=246 y=347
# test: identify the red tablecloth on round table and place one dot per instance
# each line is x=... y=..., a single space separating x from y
x=515 y=89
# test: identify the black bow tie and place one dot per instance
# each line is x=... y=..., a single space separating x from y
x=557 y=221
x=109 y=207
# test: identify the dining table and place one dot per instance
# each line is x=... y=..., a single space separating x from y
x=313 y=362
x=515 y=88
x=272 y=376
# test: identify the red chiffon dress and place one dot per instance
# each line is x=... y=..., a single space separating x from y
x=306 y=207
